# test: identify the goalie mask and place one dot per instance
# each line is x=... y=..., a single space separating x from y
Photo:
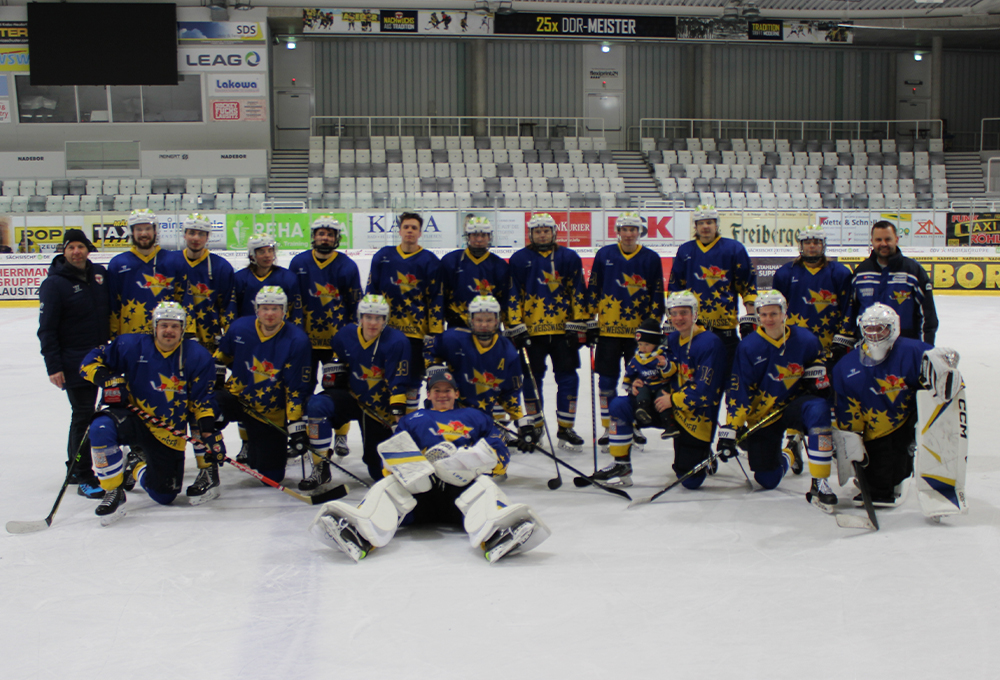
x=326 y=222
x=484 y=317
x=879 y=326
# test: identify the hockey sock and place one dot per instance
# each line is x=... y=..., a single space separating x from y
x=343 y=429
x=606 y=392
x=320 y=433
x=819 y=448
x=568 y=385
x=199 y=457
x=620 y=439
x=109 y=463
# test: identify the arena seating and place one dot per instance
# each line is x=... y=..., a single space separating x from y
x=123 y=195
x=463 y=172
x=800 y=174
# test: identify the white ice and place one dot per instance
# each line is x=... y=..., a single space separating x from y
x=716 y=583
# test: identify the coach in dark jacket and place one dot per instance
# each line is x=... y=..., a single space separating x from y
x=74 y=317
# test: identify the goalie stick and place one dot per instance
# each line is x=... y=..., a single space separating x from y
x=29 y=527
x=856 y=521
x=318 y=499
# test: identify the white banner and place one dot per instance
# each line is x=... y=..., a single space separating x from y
x=237 y=85
x=375 y=230
x=205 y=163
x=205 y=59
x=18 y=164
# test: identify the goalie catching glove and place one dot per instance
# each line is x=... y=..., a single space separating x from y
x=939 y=373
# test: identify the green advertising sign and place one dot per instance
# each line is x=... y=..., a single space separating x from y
x=290 y=230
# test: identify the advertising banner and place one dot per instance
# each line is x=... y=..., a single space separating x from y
x=585 y=25
x=236 y=85
x=238 y=110
x=763 y=228
x=4 y=110
x=817 y=32
x=13 y=46
x=453 y=22
x=969 y=274
x=290 y=230
x=574 y=228
x=765 y=30
x=204 y=163
x=202 y=59
x=340 y=21
x=220 y=32
x=398 y=21
x=661 y=228
x=375 y=230
x=17 y=164
x=20 y=281
x=973 y=229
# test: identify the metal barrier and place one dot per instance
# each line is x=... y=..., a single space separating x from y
x=429 y=126
x=982 y=135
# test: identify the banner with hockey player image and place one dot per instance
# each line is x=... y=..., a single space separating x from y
x=454 y=22
x=359 y=21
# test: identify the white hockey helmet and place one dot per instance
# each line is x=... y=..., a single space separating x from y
x=705 y=212
x=683 y=298
x=484 y=303
x=812 y=231
x=478 y=225
x=271 y=295
x=629 y=219
x=198 y=222
x=771 y=297
x=879 y=326
x=169 y=311
x=543 y=220
x=261 y=241
x=327 y=222
x=142 y=216
x=374 y=304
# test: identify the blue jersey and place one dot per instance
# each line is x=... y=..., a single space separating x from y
x=270 y=375
x=486 y=376
x=767 y=373
x=207 y=285
x=818 y=297
x=412 y=282
x=646 y=367
x=331 y=291
x=379 y=369
x=624 y=290
x=546 y=290
x=877 y=400
x=246 y=285
x=138 y=283
x=173 y=386
x=460 y=426
x=697 y=377
x=717 y=274
x=464 y=277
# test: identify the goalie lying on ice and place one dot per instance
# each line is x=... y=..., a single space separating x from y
x=437 y=465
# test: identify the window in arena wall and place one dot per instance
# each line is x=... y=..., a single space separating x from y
x=93 y=103
x=45 y=103
x=126 y=104
x=173 y=103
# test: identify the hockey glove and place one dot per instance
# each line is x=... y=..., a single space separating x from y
x=397 y=410
x=115 y=391
x=526 y=439
x=748 y=325
x=726 y=444
x=298 y=439
x=215 y=447
x=576 y=334
x=335 y=376
x=220 y=377
x=593 y=332
x=841 y=345
x=517 y=335
x=817 y=381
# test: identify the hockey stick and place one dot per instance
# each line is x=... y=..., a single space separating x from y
x=560 y=461
x=593 y=408
x=557 y=481
x=318 y=499
x=263 y=419
x=769 y=420
x=854 y=521
x=29 y=527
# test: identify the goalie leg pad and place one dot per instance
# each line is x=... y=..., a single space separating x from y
x=848 y=448
x=460 y=466
x=402 y=457
x=942 y=455
x=376 y=518
x=486 y=512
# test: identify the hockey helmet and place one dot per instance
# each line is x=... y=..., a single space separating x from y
x=649 y=331
x=879 y=325
x=705 y=212
x=771 y=297
x=542 y=220
x=683 y=298
x=327 y=222
x=812 y=231
x=169 y=311
x=271 y=295
x=374 y=304
x=629 y=219
x=142 y=216
x=478 y=225
x=484 y=303
x=261 y=241
x=198 y=222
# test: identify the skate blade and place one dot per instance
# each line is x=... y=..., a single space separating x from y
x=625 y=481
x=108 y=520
x=519 y=538
x=828 y=509
x=636 y=446
x=329 y=533
x=569 y=447
x=604 y=448
x=209 y=495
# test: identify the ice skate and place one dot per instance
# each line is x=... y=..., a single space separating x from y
x=794 y=449
x=821 y=495
x=132 y=460
x=638 y=440
x=569 y=440
x=340 y=445
x=243 y=456
x=616 y=474
x=319 y=476
x=89 y=488
x=112 y=508
x=205 y=487
x=346 y=537
x=604 y=442
x=507 y=540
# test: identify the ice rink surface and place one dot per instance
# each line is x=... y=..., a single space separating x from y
x=715 y=583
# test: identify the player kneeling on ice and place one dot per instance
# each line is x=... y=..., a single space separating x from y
x=779 y=382
x=165 y=376
x=876 y=400
x=438 y=464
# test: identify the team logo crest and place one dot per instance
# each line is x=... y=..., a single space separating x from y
x=551 y=279
x=890 y=387
x=686 y=373
x=788 y=374
x=406 y=282
x=484 y=381
x=821 y=299
x=156 y=283
x=200 y=292
x=262 y=370
x=372 y=375
x=712 y=275
x=481 y=287
x=633 y=284
x=901 y=296
x=99 y=278
x=169 y=386
x=456 y=429
x=326 y=293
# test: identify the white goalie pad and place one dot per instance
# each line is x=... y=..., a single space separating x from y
x=376 y=518
x=848 y=448
x=486 y=511
x=458 y=466
x=942 y=452
x=940 y=375
x=402 y=457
